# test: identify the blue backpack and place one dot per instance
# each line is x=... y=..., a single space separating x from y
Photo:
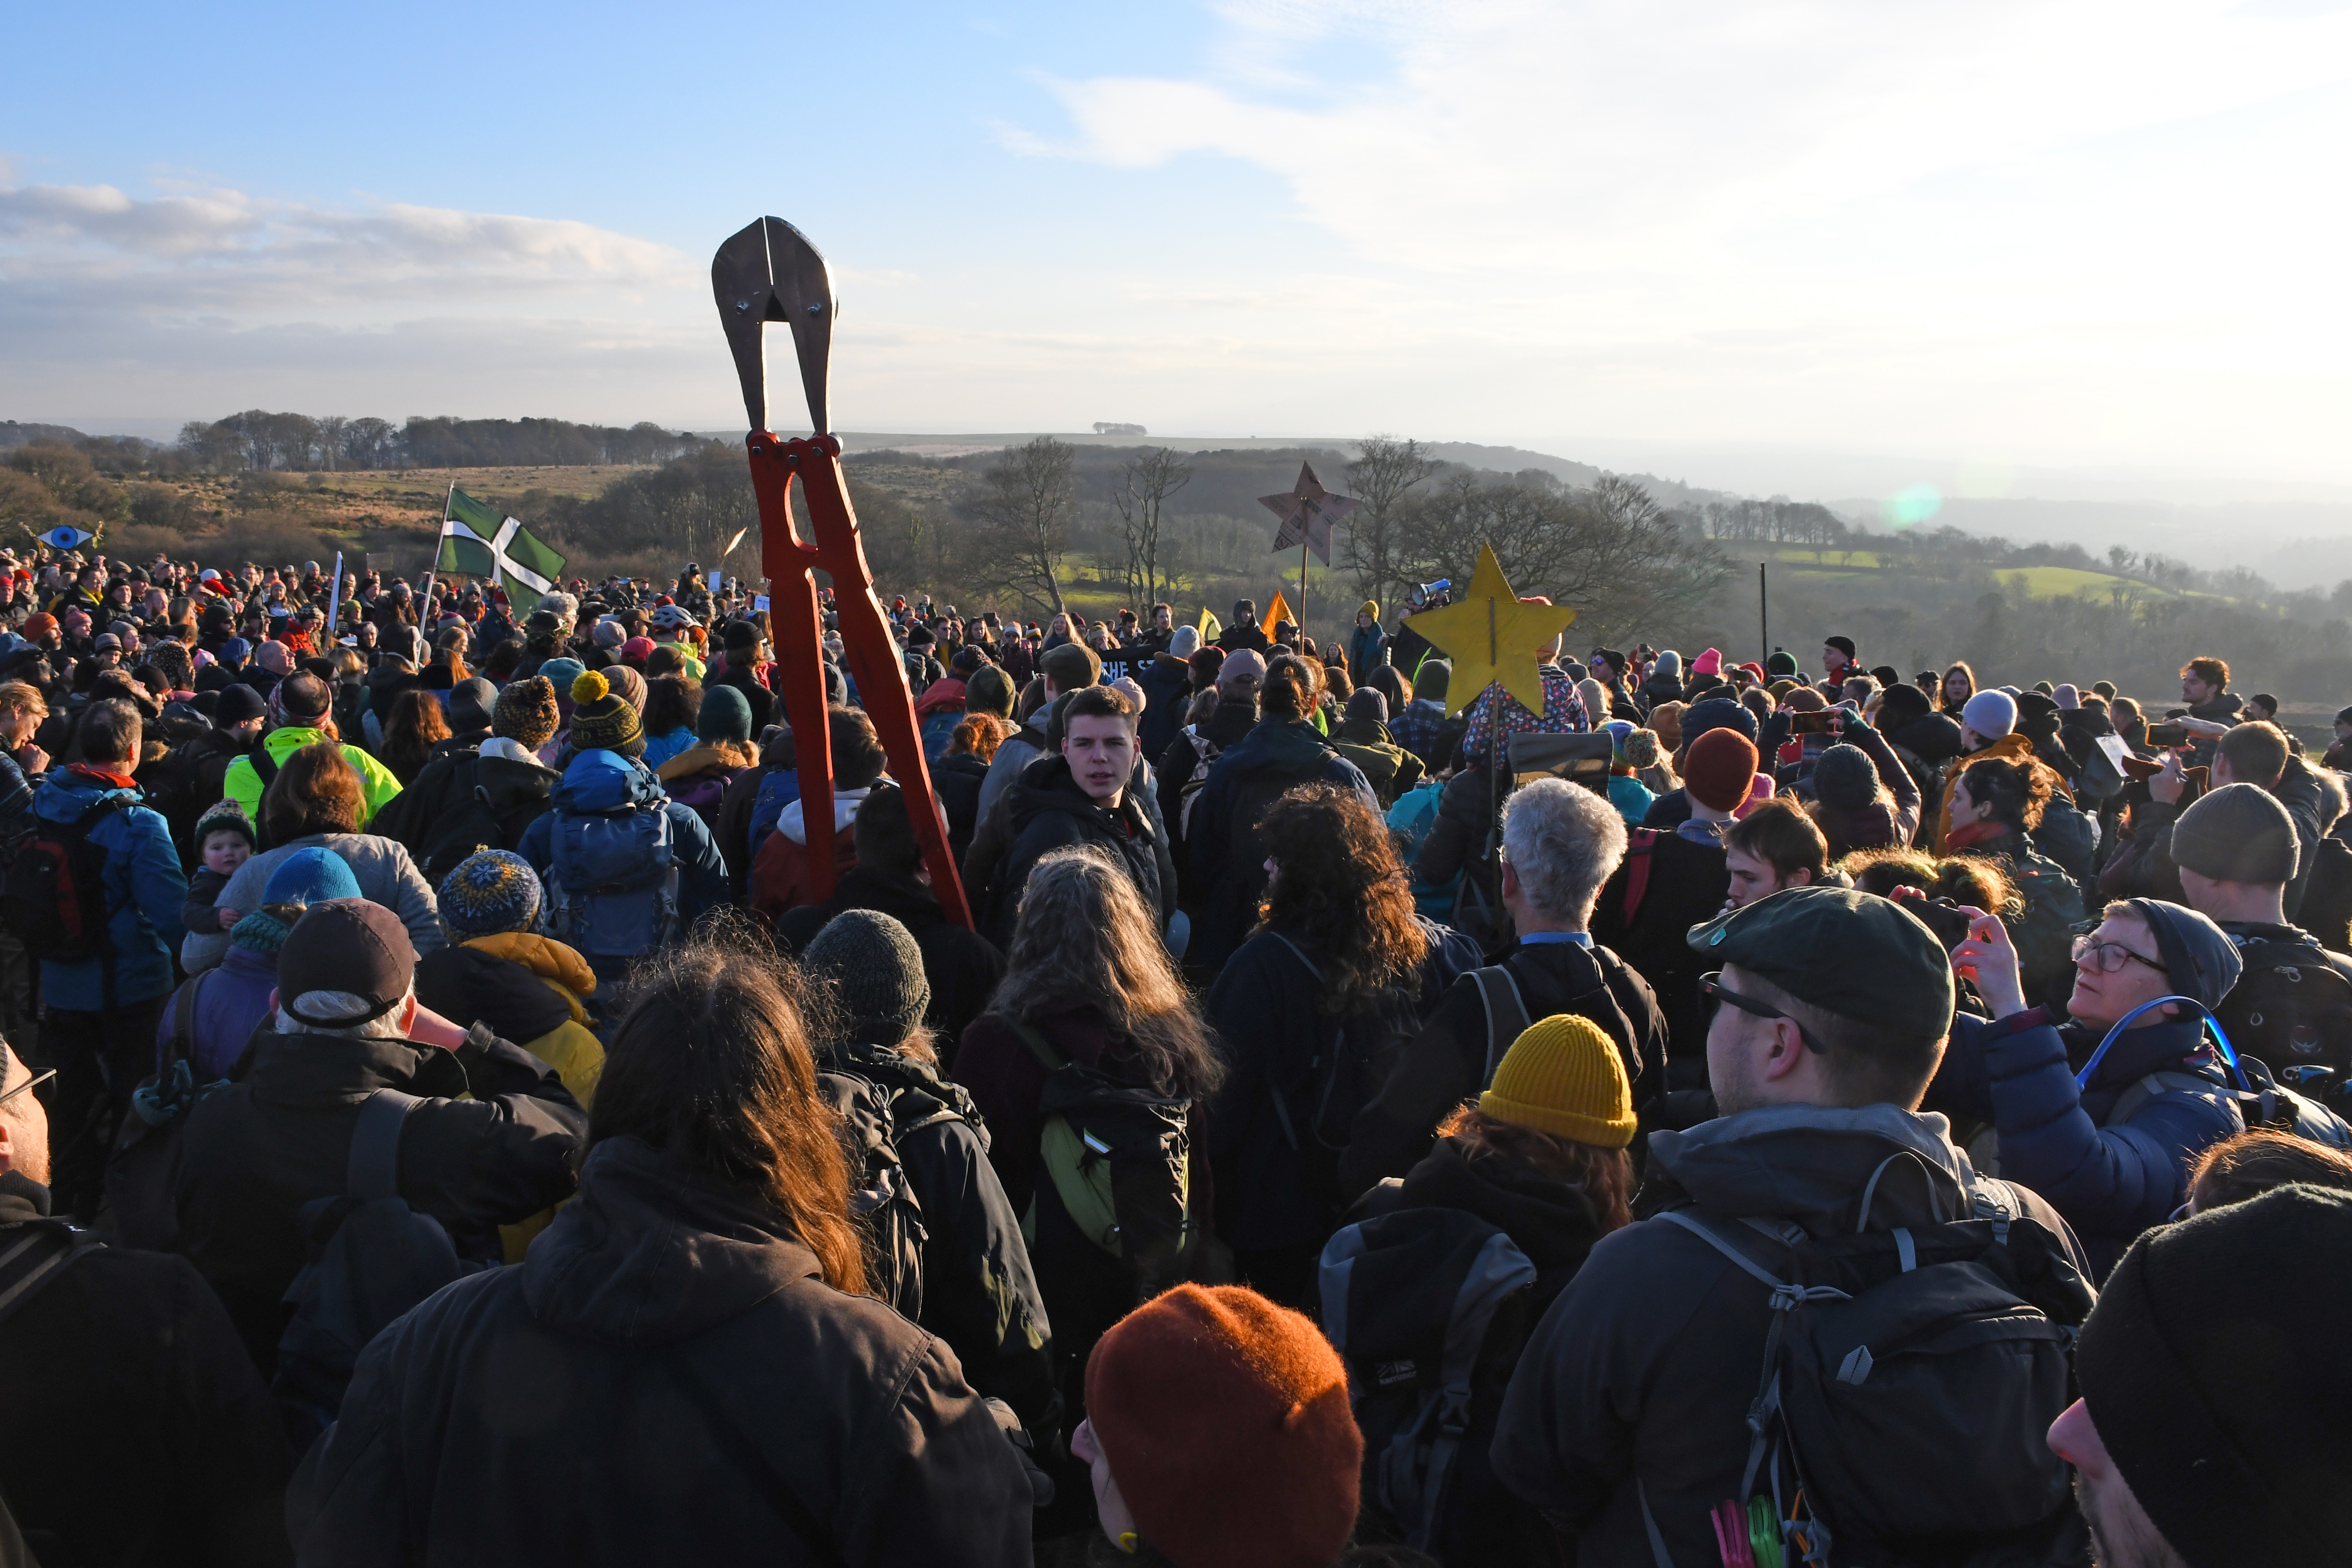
x=613 y=890
x=777 y=791
x=1410 y=820
x=939 y=734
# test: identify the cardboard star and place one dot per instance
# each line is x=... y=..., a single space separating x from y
x=1492 y=637
x=1307 y=513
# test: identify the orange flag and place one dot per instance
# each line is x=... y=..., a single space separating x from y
x=1276 y=614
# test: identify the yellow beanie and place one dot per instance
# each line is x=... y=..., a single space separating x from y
x=1564 y=1077
x=1370 y=607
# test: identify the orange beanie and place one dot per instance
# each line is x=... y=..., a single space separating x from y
x=1226 y=1424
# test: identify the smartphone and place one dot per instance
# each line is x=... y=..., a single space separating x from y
x=1820 y=723
x=2167 y=735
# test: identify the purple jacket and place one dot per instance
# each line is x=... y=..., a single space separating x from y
x=235 y=997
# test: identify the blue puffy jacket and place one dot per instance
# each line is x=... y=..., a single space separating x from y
x=2110 y=1182
x=145 y=891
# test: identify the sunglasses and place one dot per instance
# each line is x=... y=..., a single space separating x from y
x=1711 y=986
x=28 y=1083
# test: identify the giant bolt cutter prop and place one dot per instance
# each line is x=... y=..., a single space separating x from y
x=770 y=272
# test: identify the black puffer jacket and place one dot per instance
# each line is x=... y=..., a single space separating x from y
x=666 y=1378
x=253 y=1153
x=461 y=803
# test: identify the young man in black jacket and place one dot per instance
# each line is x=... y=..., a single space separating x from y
x=1560 y=842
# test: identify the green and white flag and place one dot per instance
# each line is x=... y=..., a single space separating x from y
x=475 y=542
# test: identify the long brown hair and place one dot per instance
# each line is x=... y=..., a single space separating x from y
x=1339 y=888
x=1085 y=935
x=1943 y=684
x=317 y=789
x=416 y=723
x=712 y=1065
x=1605 y=1176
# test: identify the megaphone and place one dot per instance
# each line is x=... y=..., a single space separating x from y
x=1422 y=595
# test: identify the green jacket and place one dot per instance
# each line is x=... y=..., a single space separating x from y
x=244 y=786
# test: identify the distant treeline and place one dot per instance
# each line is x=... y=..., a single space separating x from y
x=257 y=439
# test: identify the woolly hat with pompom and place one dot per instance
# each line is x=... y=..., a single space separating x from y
x=603 y=719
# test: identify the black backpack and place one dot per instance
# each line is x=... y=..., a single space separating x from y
x=1318 y=1112
x=2290 y=1008
x=1430 y=1308
x=370 y=1258
x=1909 y=1378
x=143 y=1174
x=1119 y=1160
x=54 y=897
x=878 y=1103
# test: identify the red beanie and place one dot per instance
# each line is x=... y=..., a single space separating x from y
x=1226 y=1422
x=1719 y=768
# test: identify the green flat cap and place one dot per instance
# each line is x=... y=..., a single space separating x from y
x=1855 y=954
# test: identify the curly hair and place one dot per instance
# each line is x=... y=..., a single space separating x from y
x=2018 y=792
x=1338 y=886
x=1084 y=935
x=1969 y=879
x=712 y=1065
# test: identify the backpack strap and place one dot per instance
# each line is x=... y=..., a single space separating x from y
x=32 y=1260
x=183 y=1020
x=374 y=1169
x=1506 y=1013
x=1638 y=845
x=2136 y=1098
x=1039 y=1046
x=265 y=766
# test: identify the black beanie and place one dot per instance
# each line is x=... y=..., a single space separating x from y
x=2239 y=833
x=2218 y=1375
x=1844 y=778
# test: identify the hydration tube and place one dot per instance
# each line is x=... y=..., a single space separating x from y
x=2228 y=1054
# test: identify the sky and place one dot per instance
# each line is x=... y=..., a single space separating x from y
x=1798 y=239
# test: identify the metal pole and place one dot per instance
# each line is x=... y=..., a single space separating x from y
x=1763 y=615
x=1302 y=590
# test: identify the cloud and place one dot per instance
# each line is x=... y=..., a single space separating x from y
x=199 y=251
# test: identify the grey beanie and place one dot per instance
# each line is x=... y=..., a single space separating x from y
x=1366 y=703
x=1432 y=679
x=1844 y=778
x=2239 y=833
x=471 y=703
x=876 y=971
x=1669 y=663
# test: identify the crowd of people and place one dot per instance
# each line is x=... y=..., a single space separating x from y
x=1735 y=1115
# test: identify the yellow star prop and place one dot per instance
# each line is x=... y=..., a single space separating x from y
x=1492 y=637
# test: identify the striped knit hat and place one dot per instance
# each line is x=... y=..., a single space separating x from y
x=602 y=718
x=491 y=892
x=1564 y=1077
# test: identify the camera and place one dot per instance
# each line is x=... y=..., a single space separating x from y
x=1941 y=916
x=1431 y=596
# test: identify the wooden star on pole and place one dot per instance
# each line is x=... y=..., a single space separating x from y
x=1307 y=513
x=1492 y=637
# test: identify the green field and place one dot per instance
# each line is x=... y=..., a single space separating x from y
x=1795 y=564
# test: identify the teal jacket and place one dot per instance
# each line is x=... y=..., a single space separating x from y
x=145 y=891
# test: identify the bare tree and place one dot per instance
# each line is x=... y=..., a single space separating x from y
x=1380 y=480
x=331 y=430
x=1145 y=482
x=1026 y=502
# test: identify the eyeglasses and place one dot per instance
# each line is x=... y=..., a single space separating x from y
x=29 y=1083
x=1711 y=986
x=2107 y=957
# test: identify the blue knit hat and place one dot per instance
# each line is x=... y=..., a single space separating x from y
x=312 y=875
x=491 y=892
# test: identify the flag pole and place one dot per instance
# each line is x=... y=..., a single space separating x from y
x=1302 y=587
x=335 y=597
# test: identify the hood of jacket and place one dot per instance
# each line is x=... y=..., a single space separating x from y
x=1230 y=724
x=599 y=780
x=651 y=1252
x=1045 y=785
x=1291 y=747
x=793 y=821
x=1810 y=1163
x=942 y=696
x=322 y=1071
x=469 y=985
x=908 y=903
x=508 y=783
x=704 y=756
x=1549 y=1220
x=66 y=793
